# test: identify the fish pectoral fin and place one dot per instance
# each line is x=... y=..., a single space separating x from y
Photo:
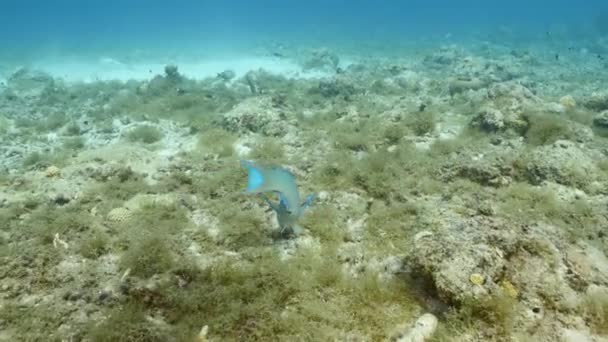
x=308 y=202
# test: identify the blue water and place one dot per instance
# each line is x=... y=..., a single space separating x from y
x=93 y=25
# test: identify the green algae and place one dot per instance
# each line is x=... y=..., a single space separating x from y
x=394 y=132
x=32 y=159
x=94 y=245
x=29 y=320
x=148 y=255
x=243 y=228
x=146 y=134
x=422 y=122
x=391 y=227
x=334 y=172
x=72 y=129
x=325 y=223
x=528 y=202
x=376 y=174
x=269 y=150
x=218 y=141
x=128 y=322
x=4 y=124
x=352 y=136
x=221 y=181
x=268 y=298
x=74 y=144
x=148 y=239
x=112 y=192
x=546 y=129
x=48 y=220
x=52 y=122
x=594 y=308
x=493 y=316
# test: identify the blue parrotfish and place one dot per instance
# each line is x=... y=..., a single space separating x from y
x=263 y=180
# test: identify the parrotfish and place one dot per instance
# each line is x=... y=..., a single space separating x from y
x=275 y=179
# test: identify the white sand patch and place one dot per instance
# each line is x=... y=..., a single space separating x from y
x=108 y=68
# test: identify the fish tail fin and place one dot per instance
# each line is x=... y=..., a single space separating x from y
x=256 y=177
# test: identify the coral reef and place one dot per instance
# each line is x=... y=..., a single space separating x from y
x=119 y=215
x=462 y=196
x=52 y=171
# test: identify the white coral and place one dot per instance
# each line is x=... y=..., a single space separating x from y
x=119 y=214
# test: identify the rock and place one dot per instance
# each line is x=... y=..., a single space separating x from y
x=260 y=82
x=30 y=83
x=104 y=295
x=469 y=251
x=256 y=115
x=446 y=55
x=489 y=119
x=598 y=101
x=322 y=59
x=511 y=96
x=562 y=162
x=572 y=335
x=72 y=295
x=422 y=331
x=487 y=170
x=458 y=86
x=171 y=82
x=601 y=119
x=336 y=87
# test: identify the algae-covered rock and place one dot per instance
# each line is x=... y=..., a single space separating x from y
x=512 y=96
x=336 y=87
x=458 y=86
x=562 y=162
x=494 y=120
x=598 y=101
x=261 y=82
x=460 y=248
x=322 y=59
x=445 y=56
x=171 y=82
x=495 y=270
x=30 y=83
x=256 y=115
x=486 y=169
x=601 y=119
x=489 y=119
